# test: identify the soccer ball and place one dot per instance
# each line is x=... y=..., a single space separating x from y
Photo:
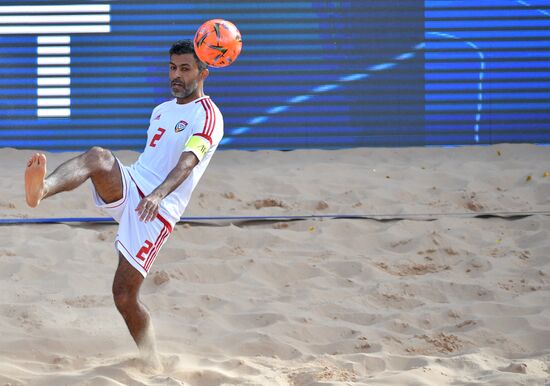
x=218 y=43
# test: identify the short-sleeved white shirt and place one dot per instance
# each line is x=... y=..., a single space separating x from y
x=171 y=127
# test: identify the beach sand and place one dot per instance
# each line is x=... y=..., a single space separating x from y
x=443 y=298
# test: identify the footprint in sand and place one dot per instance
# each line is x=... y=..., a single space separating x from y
x=520 y=368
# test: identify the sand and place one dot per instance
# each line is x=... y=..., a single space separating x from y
x=446 y=298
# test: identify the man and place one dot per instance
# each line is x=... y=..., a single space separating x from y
x=148 y=197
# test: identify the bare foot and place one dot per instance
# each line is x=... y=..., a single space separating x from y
x=148 y=350
x=34 y=179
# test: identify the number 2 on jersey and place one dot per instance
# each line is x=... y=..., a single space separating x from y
x=157 y=137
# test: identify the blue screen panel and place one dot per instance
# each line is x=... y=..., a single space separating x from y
x=312 y=74
x=487 y=71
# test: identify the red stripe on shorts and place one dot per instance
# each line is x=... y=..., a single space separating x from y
x=156 y=247
x=161 y=238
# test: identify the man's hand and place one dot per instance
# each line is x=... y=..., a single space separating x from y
x=148 y=207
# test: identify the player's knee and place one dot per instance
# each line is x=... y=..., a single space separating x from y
x=99 y=157
x=124 y=299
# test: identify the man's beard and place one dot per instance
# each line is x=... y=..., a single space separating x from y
x=184 y=91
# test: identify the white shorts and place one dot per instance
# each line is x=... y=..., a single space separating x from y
x=137 y=241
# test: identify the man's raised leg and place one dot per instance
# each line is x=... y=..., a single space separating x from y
x=126 y=285
x=97 y=164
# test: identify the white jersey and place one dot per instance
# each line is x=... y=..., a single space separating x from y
x=196 y=126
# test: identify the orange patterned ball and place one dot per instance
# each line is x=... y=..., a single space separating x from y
x=218 y=43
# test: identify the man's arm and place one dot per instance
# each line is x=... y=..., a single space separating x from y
x=148 y=207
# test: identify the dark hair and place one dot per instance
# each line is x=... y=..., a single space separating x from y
x=186 y=47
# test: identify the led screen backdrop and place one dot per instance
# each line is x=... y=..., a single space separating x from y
x=320 y=74
x=487 y=71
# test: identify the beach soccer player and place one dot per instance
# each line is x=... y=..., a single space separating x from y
x=148 y=197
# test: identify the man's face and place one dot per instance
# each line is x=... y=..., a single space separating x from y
x=184 y=75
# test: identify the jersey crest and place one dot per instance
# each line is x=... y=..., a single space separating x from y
x=180 y=126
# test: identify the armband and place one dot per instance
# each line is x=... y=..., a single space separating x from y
x=197 y=145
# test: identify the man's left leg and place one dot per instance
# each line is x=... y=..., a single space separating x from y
x=97 y=164
x=126 y=285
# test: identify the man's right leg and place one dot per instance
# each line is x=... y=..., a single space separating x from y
x=97 y=164
x=126 y=285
